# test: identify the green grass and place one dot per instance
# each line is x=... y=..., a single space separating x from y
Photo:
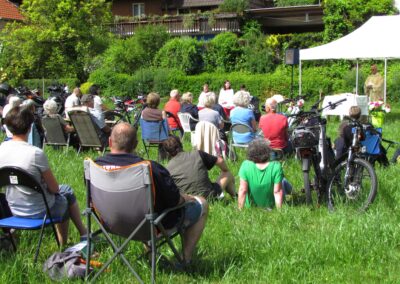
x=295 y=244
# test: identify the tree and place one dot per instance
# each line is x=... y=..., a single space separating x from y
x=343 y=16
x=58 y=38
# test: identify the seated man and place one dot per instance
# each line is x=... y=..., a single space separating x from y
x=98 y=117
x=173 y=106
x=122 y=143
x=28 y=203
x=190 y=171
x=275 y=127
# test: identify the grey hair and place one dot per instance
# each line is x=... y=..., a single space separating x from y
x=187 y=97
x=259 y=151
x=50 y=107
x=271 y=104
x=241 y=99
x=208 y=100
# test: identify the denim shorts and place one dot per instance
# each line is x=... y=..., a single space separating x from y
x=62 y=201
x=193 y=212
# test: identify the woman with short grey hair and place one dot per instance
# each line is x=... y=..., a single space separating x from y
x=187 y=106
x=207 y=113
x=241 y=114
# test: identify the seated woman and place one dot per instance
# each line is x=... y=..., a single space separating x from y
x=50 y=110
x=225 y=98
x=242 y=114
x=151 y=112
x=260 y=179
x=25 y=202
x=187 y=106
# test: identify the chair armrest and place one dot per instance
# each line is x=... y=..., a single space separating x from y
x=166 y=211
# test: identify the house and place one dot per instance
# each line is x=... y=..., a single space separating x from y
x=8 y=13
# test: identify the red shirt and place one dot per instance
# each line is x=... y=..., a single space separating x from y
x=274 y=126
x=173 y=106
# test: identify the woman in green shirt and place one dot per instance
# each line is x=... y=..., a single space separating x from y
x=260 y=179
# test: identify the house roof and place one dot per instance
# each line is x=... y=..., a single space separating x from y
x=200 y=3
x=9 y=11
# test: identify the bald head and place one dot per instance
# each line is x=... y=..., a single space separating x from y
x=270 y=105
x=123 y=138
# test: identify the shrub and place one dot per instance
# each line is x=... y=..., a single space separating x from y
x=236 y=6
x=222 y=53
x=284 y=3
x=180 y=53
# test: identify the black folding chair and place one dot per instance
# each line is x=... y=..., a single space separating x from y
x=14 y=176
x=121 y=201
x=54 y=132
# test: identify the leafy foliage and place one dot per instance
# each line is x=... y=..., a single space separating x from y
x=58 y=39
x=181 y=53
x=222 y=53
x=284 y=3
x=236 y=6
x=343 y=16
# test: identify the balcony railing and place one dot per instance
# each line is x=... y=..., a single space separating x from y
x=177 y=25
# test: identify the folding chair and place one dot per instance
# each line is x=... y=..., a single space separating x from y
x=89 y=134
x=153 y=134
x=185 y=118
x=173 y=131
x=122 y=201
x=54 y=132
x=14 y=176
x=237 y=129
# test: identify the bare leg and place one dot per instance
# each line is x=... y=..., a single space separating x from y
x=192 y=235
x=75 y=216
x=62 y=232
x=227 y=183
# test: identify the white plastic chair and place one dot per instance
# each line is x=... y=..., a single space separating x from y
x=185 y=118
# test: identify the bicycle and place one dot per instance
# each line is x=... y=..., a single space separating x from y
x=354 y=181
x=128 y=110
x=314 y=149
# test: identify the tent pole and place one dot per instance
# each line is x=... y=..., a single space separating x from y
x=357 y=78
x=300 y=77
x=384 y=82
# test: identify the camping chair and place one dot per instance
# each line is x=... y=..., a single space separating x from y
x=153 y=134
x=54 y=132
x=13 y=176
x=89 y=135
x=122 y=201
x=173 y=131
x=185 y=118
x=373 y=146
x=237 y=129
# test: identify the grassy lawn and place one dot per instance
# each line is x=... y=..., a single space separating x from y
x=295 y=244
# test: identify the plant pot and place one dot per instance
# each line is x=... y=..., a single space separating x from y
x=377 y=118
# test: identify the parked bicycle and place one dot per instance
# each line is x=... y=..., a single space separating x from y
x=314 y=150
x=128 y=110
x=354 y=180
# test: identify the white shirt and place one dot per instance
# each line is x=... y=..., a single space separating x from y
x=98 y=103
x=225 y=98
x=72 y=101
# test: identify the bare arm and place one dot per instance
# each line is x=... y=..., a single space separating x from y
x=69 y=128
x=243 y=188
x=221 y=164
x=278 y=194
x=164 y=114
x=51 y=182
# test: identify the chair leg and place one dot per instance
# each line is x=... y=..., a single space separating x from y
x=145 y=149
x=40 y=242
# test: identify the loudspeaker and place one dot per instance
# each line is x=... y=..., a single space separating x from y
x=292 y=56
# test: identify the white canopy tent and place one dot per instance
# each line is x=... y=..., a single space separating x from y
x=376 y=39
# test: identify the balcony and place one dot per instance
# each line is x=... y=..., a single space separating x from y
x=191 y=25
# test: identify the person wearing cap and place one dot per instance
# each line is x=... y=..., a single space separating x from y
x=98 y=117
x=173 y=106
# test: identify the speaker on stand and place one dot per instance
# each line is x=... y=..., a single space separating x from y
x=292 y=58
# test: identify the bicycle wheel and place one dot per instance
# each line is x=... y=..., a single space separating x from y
x=112 y=117
x=358 y=191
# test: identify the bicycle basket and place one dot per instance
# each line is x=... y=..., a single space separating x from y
x=305 y=137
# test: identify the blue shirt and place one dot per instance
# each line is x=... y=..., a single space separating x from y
x=244 y=116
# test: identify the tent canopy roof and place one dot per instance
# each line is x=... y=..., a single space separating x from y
x=376 y=39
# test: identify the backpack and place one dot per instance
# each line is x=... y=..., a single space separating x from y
x=221 y=149
x=62 y=265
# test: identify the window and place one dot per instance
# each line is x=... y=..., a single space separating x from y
x=138 y=9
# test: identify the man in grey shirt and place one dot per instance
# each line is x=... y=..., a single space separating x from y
x=26 y=202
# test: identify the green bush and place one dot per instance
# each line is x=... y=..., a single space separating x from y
x=181 y=53
x=284 y=3
x=235 y=6
x=222 y=53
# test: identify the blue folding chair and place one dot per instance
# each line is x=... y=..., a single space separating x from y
x=12 y=176
x=153 y=134
x=372 y=141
